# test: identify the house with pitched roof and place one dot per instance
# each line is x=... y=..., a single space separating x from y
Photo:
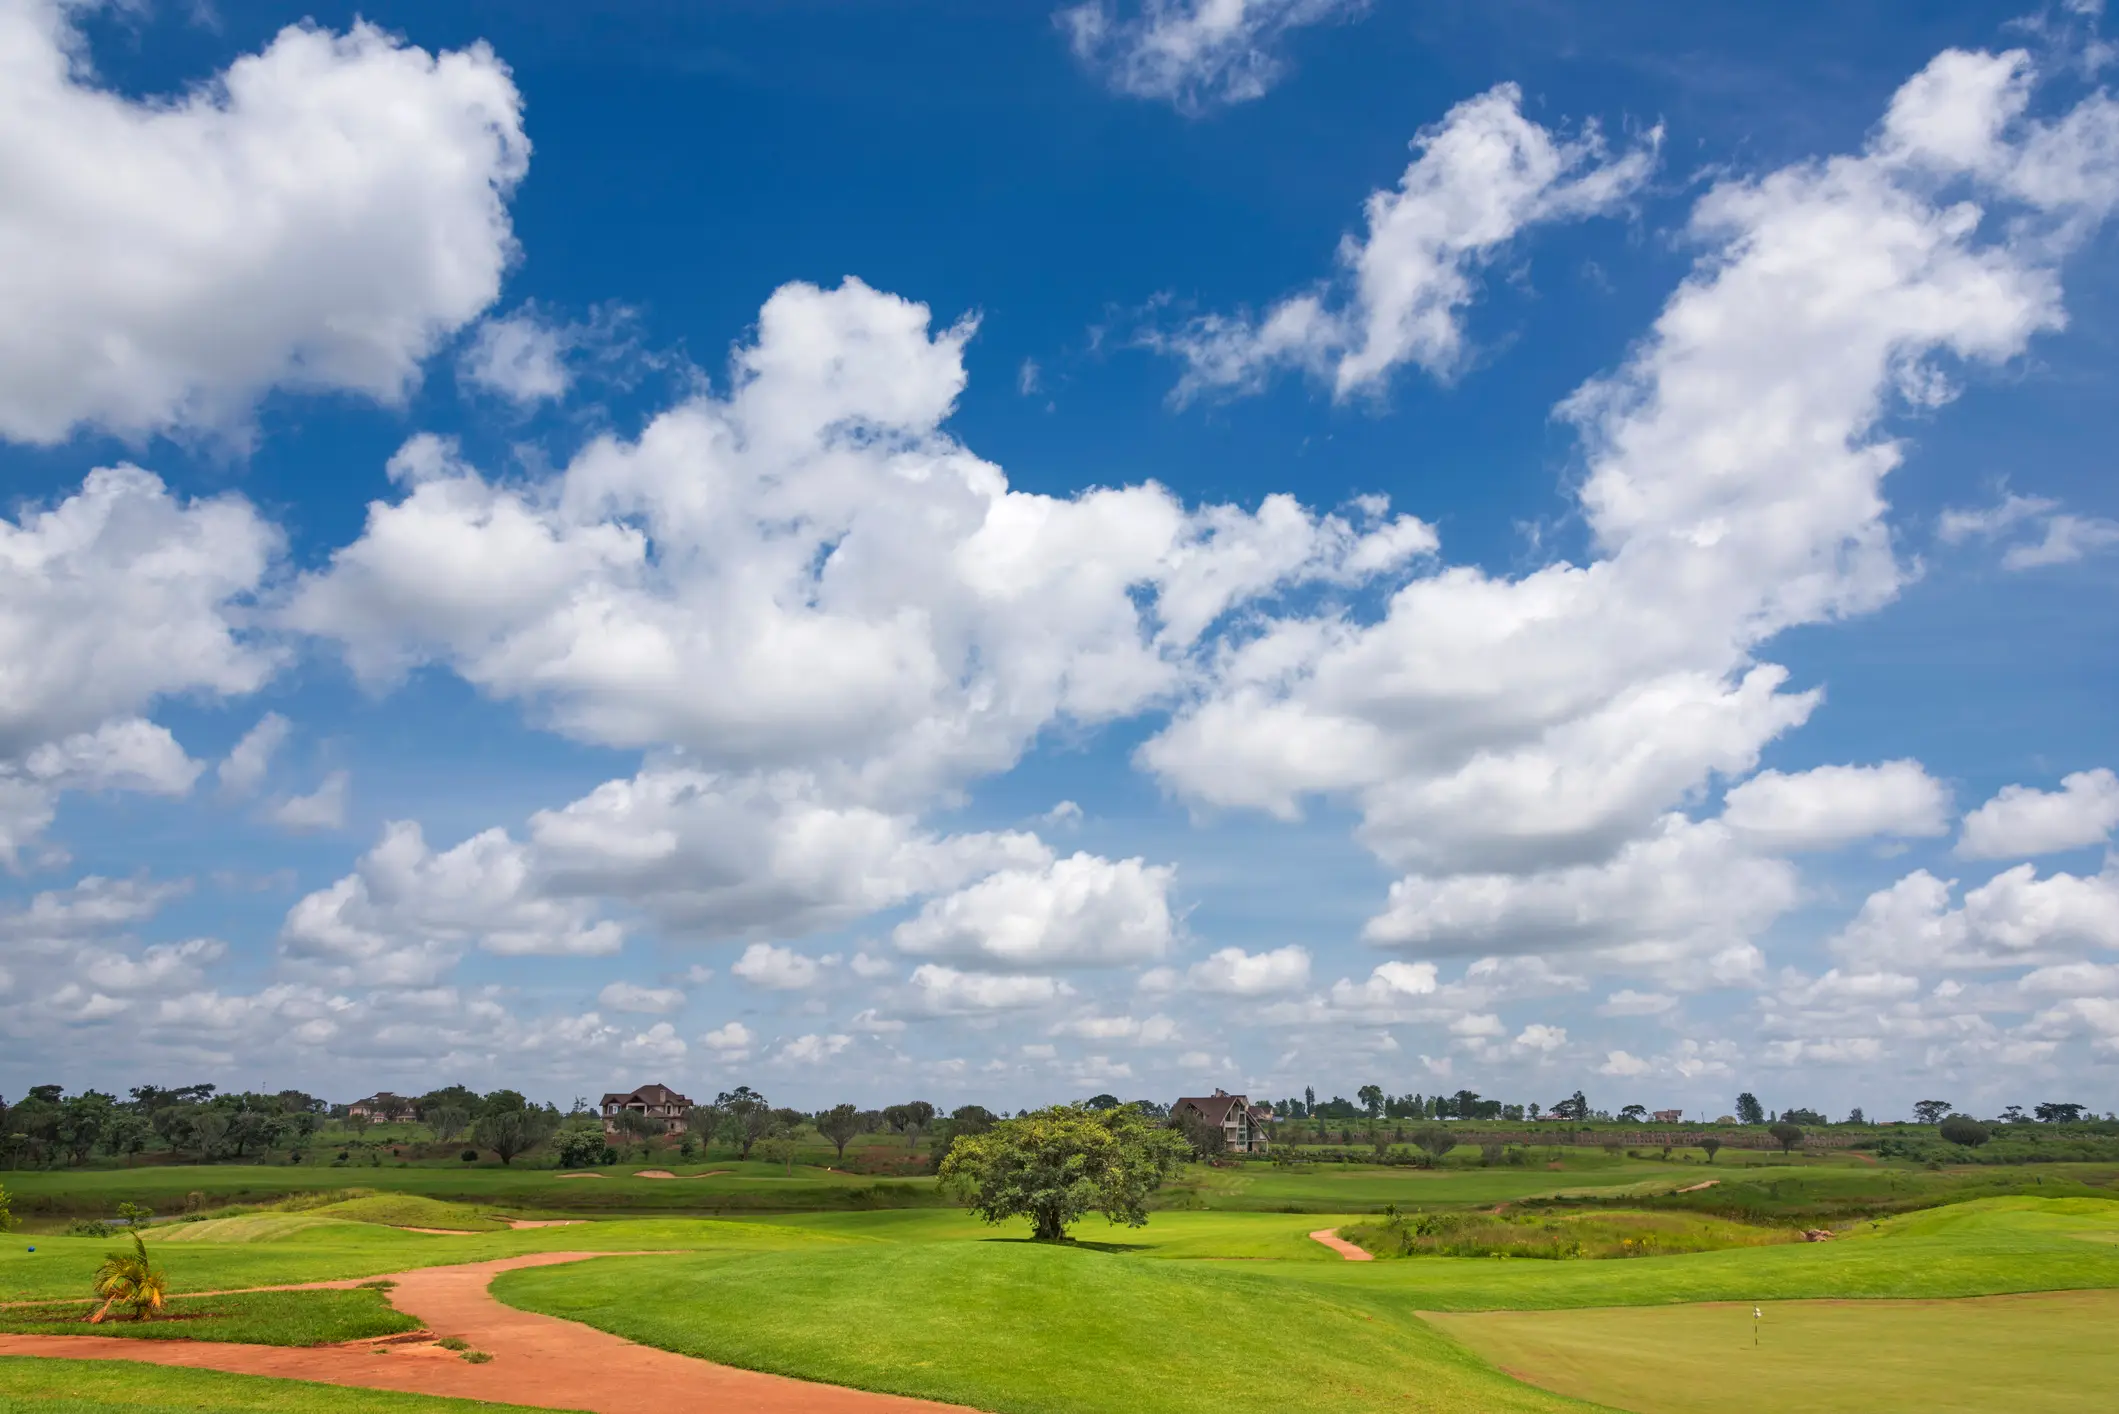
x=657 y=1102
x=1242 y=1124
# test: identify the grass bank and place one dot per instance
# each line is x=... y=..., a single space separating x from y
x=104 y=1387
x=250 y=1318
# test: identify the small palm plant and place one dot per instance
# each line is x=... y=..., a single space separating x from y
x=130 y=1279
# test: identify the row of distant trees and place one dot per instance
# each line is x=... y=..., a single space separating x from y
x=48 y=1127
x=1373 y=1102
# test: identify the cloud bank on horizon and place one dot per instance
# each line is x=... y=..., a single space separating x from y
x=817 y=623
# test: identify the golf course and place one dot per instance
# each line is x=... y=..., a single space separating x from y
x=1586 y=1281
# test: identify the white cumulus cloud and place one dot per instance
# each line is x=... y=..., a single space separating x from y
x=320 y=215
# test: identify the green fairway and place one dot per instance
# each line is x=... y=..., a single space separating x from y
x=935 y=1306
x=2043 y=1354
x=252 y=1318
x=1012 y=1326
x=104 y=1387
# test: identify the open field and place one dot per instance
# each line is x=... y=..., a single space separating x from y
x=2047 y=1352
x=931 y=1302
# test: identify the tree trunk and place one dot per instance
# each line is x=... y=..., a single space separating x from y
x=1049 y=1227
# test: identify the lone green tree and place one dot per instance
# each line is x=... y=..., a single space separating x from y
x=512 y=1127
x=1435 y=1140
x=839 y=1124
x=1712 y=1145
x=1963 y=1129
x=1787 y=1134
x=1749 y=1110
x=1056 y=1164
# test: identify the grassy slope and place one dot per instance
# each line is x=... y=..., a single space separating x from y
x=1026 y=1329
x=2043 y=1354
x=256 y=1318
x=101 y=1387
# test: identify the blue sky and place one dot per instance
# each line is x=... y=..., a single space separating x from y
x=994 y=554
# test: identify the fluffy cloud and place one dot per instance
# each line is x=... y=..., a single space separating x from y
x=732 y=1042
x=2021 y=820
x=117 y=596
x=1235 y=973
x=1480 y=177
x=321 y=215
x=120 y=594
x=406 y=911
x=631 y=996
x=776 y=968
x=1831 y=805
x=322 y=809
x=1684 y=903
x=2014 y=918
x=809 y=575
x=814 y=1049
x=243 y=770
x=1519 y=741
x=2062 y=537
x=1082 y=910
x=522 y=358
x=944 y=991
x=1193 y=53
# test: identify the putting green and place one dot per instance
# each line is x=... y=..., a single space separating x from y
x=2048 y=1353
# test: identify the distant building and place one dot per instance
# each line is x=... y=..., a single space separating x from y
x=1667 y=1116
x=657 y=1102
x=382 y=1108
x=1242 y=1123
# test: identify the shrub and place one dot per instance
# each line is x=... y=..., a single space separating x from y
x=1963 y=1129
x=470 y=1156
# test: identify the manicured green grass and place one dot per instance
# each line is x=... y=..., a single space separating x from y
x=1022 y=1328
x=252 y=1318
x=2043 y=1354
x=272 y=1249
x=932 y=1309
x=101 y=1387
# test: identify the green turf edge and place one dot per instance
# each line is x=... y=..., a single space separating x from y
x=51 y=1386
x=246 y=1318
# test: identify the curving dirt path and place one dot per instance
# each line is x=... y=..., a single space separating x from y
x=540 y=1361
x=1330 y=1238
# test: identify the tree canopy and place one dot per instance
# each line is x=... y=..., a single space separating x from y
x=1057 y=1164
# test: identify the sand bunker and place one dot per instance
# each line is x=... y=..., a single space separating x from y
x=654 y=1173
x=581 y=1175
x=1697 y=1186
x=520 y=1223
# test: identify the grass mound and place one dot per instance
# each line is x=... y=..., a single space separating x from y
x=1024 y=1328
x=411 y=1210
x=251 y=1318
x=1606 y=1233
